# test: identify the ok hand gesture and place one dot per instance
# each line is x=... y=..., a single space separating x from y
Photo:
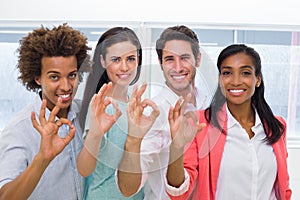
x=100 y=121
x=51 y=143
x=183 y=126
x=139 y=123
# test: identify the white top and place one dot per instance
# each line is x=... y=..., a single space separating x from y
x=155 y=145
x=248 y=167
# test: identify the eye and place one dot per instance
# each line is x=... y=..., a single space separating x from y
x=185 y=57
x=246 y=73
x=131 y=59
x=53 y=77
x=73 y=75
x=226 y=73
x=115 y=60
x=169 y=59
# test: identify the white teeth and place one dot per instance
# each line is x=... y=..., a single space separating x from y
x=236 y=91
x=64 y=96
x=123 y=76
x=178 y=77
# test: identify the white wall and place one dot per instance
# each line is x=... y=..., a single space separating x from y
x=294 y=166
x=210 y=11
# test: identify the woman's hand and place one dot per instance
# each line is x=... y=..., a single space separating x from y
x=100 y=121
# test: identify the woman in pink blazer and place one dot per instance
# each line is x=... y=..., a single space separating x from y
x=240 y=151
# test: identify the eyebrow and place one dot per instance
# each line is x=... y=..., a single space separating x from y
x=55 y=72
x=242 y=67
x=169 y=57
x=185 y=55
x=115 y=56
x=133 y=55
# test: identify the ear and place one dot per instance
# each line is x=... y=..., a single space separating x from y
x=139 y=56
x=258 y=82
x=37 y=79
x=102 y=61
x=198 y=60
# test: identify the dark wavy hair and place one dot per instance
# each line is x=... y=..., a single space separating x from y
x=177 y=33
x=58 y=41
x=272 y=126
x=99 y=76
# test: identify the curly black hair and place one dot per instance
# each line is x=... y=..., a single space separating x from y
x=44 y=42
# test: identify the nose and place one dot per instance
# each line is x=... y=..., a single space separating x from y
x=177 y=65
x=124 y=65
x=65 y=84
x=236 y=79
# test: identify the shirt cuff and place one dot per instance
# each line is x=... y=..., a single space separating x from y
x=2 y=183
x=184 y=187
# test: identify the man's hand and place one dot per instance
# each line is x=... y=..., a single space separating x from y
x=183 y=126
x=51 y=143
x=139 y=123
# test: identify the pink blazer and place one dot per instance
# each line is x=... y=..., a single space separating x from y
x=203 y=156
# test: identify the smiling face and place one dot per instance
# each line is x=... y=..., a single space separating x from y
x=238 y=79
x=121 y=63
x=59 y=78
x=179 y=66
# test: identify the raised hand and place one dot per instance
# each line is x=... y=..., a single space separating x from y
x=139 y=123
x=100 y=121
x=183 y=126
x=51 y=143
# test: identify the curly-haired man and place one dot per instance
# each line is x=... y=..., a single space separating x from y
x=38 y=157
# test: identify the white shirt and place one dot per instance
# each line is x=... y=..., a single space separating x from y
x=155 y=145
x=248 y=167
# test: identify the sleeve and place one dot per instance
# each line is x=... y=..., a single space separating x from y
x=173 y=191
x=152 y=153
x=152 y=148
x=191 y=173
x=191 y=166
x=14 y=155
x=288 y=192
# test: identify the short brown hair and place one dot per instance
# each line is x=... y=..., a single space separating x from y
x=178 y=33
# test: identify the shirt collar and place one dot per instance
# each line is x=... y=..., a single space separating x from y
x=257 y=128
x=201 y=99
x=172 y=97
x=74 y=109
x=73 y=112
x=232 y=121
